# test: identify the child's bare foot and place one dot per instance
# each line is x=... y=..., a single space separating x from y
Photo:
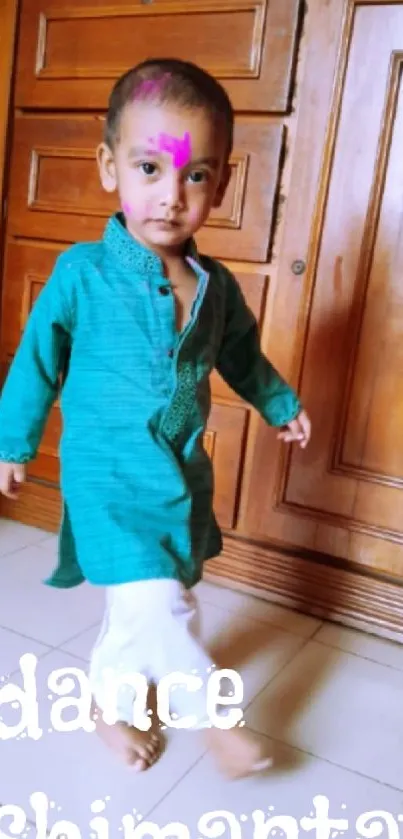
x=237 y=752
x=140 y=749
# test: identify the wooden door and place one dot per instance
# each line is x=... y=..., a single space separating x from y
x=353 y=361
x=69 y=55
x=338 y=326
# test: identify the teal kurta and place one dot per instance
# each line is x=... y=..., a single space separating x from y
x=136 y=482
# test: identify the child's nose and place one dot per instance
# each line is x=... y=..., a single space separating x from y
x=172 y=195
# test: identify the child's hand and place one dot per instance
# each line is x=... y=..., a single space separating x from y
x=297 y=430
x=12 y=475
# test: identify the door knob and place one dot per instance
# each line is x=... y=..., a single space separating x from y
x=298 y=266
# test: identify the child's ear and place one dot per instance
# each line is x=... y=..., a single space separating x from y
x=106 y=167
x=222 y=186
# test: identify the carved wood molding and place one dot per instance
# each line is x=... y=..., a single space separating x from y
x=346 y=522
x=333 y=593
x=340 y=463
x=101 y=12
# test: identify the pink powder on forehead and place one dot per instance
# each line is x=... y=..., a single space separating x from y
x=148 y=86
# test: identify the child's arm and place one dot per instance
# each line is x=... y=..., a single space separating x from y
x=249 y=373
x=32 y=384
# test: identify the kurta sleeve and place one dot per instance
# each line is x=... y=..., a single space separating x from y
x=32 y=384
x=246 y=370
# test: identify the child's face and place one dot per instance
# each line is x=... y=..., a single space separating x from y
x=169 y=166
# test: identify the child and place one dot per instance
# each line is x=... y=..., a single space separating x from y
x=128 y=330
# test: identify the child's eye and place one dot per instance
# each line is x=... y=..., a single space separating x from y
x=198 y=176
x=148 y=168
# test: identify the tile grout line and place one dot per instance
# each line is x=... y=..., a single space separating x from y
x=275 y=740
x=23 y=635
x=294 y=656
x=317 y=630
x=176 y=784
x=60 y=648
x=45 y=643
x=41 y=656
x=20 y=548
x=165 y=794
x=260 y=620
x=359 y=655
x=306 y=640
x=17 y=671
x=329 y=762
x=273 y=678
x=77 y=635
x=313 y=637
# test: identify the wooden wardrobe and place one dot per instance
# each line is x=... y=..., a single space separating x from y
x=312 y=228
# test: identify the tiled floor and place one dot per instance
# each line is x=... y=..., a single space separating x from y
x=329 y=702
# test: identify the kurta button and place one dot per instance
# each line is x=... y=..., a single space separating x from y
x=171 y=353
x=163 y=289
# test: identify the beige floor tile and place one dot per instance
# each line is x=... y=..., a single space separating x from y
x=74 y=769
x=50 y=543
x=48 y=615
x=14 y=536
x=339 y=707
x=359 y=643
x=256 y=650
x=332 y=705
x=13 y=646
x=297 y=787
x=82 y=644
x=257 y=608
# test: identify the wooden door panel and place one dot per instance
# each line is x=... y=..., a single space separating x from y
x=352 y=476
x=70 y=53
x=374 y=405
x=27 y=267
x=55 y=191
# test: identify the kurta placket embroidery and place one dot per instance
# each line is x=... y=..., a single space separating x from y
x=185 y=388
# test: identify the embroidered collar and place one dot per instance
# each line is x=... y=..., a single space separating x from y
x=137 y=257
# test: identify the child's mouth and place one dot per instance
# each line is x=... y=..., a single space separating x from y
x=165 y=224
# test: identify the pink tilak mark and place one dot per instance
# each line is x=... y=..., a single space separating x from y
x=180 y=149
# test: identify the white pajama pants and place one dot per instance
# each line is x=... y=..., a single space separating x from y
x=151 y=628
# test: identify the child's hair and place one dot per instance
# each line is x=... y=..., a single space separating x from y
x=169 y=80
